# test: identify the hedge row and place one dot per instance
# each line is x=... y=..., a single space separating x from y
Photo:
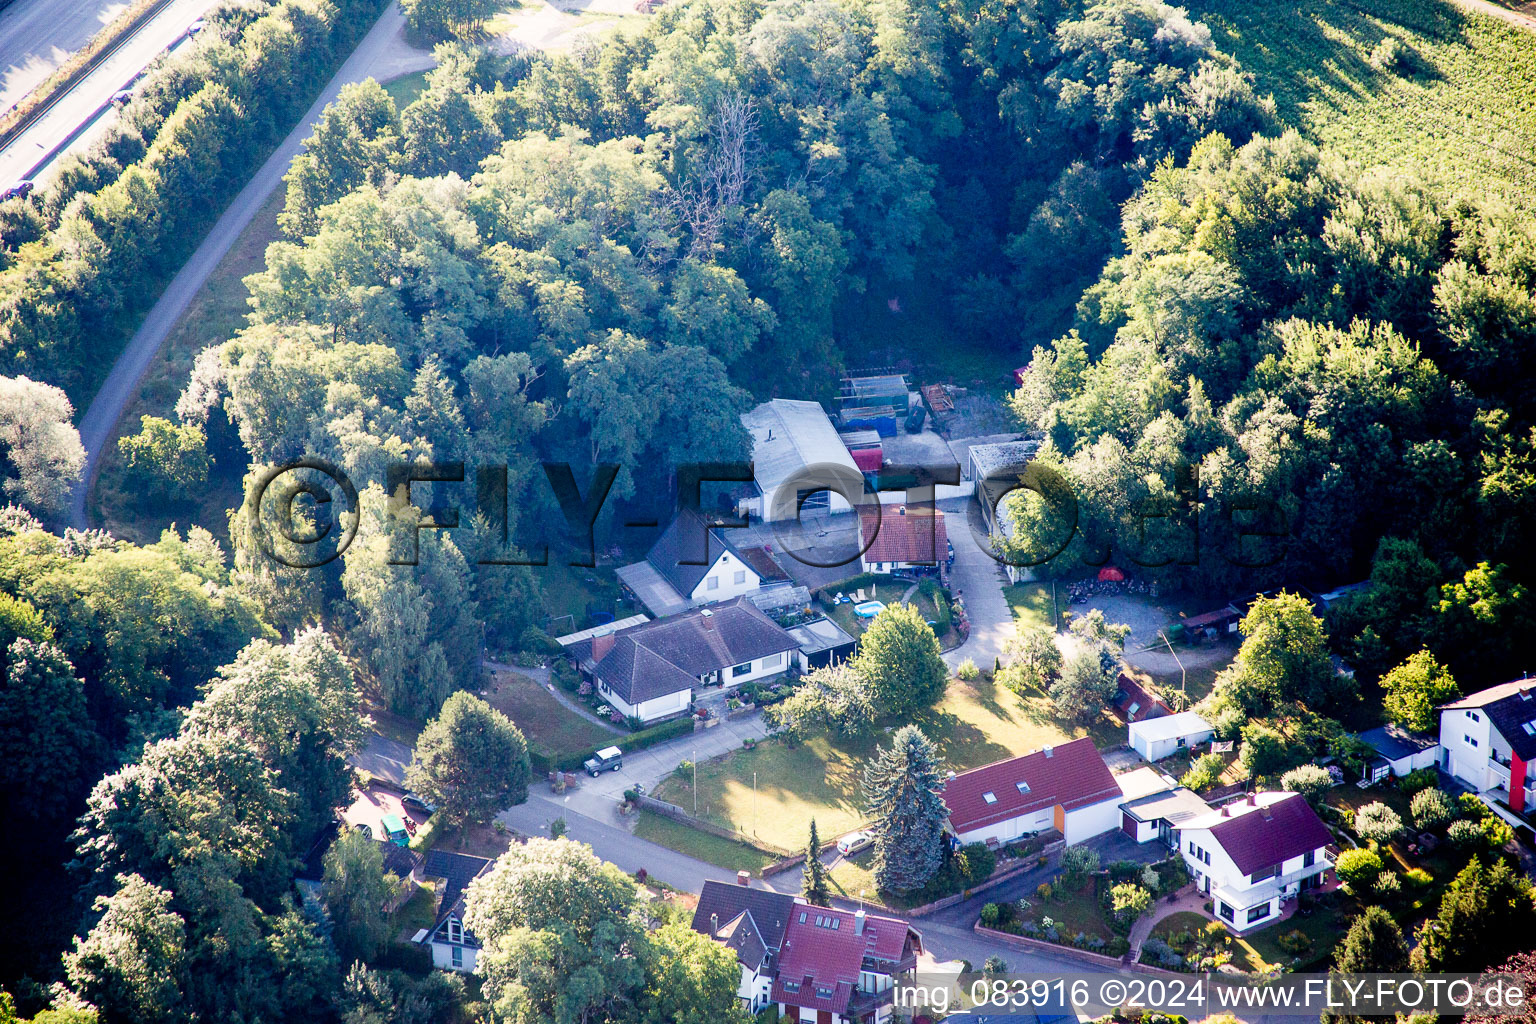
x=543 y=763
x=117 y=224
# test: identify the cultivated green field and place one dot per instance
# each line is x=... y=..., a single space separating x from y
x=1458 y=108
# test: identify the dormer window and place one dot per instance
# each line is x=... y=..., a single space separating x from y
x=989 y=797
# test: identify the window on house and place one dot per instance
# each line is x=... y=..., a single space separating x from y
x=741 y=577
x=1226 y=911
x=990 y=798
x=1530 y=728
x=455 y=930
x=741 y=670
x=1023 y=787
x=1309 y=858
x=1474 y=716
x=713 y=583
x=1470 y=741
x=1258 y=913
x=458 y=956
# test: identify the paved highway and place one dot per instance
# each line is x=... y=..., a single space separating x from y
x=63 y=123
x=36 y=36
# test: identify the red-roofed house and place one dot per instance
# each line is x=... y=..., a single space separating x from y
x=819 y=965
x=1252 y=855
x=837 y=967
x=902 y=537
x=1067 y=787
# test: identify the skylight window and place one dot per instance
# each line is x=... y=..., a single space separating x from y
x=1023 y=786
x=989 y=797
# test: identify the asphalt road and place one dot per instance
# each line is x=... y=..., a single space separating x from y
x=49 y=135
x=36 y=36
x=122 y=383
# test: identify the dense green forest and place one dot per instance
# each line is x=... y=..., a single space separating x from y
x=1255 y=314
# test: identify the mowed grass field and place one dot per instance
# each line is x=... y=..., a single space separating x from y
x=977 y=723
x=551 y=727
x=1458 y=111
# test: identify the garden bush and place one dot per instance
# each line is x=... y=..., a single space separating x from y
x=1358 y=869
x=1431 y=808
x=1077 y=863
x=1418 y=779
x=1378 y=823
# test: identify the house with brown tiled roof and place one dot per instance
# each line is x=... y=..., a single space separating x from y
x=817 y=964
x=1253 y=855
x=1066 y=787
x=902 y=537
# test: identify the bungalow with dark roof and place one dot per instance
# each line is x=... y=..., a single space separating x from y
x=1255 y=854
x=649 y=671
x=1067 y=787
x=816 y=963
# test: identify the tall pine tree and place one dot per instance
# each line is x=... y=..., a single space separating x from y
x=815 y=887
x=901 y=793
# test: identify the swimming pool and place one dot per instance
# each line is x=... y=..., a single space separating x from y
x=869 y=609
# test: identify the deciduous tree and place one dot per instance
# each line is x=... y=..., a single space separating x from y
x=471 y=761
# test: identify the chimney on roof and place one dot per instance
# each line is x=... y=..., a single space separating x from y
x=1224 y=812
x=601 y=645
x=902 y=511
x=1047 y=751
x=858 y=921
x=743 y=878
x=714 y=925
x=1253 y=799
x=708 y=618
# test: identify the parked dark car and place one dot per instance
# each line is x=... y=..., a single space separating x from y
x=20 y=190
x=418 y=803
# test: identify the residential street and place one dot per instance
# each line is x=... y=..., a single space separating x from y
x=978 y=578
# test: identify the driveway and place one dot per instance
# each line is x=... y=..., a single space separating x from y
x=597 y=797
x=977 y=578
x=383 y=758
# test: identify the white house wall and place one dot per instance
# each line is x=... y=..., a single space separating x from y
x=723 y=572
x=1464 y=736
x=1093 y=820
x=1007 y=831
x=442 y=958
x=649 y=710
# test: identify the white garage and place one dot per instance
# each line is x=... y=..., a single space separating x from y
x=1157 y=738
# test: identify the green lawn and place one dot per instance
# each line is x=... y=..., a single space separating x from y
x=1324 y=927
x=570 y=591
x=1073 y=912
x=1031 y=603
x=711 y=849
x=1457 y=113
x=1184 y=922
x=977 y=723
x=405 y=89
x=551 y=728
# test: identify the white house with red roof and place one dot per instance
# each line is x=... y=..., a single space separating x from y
x=1488 y=741
x=1255 y=854
x=1066 y=787
x=819 y=965
x=904 y=537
